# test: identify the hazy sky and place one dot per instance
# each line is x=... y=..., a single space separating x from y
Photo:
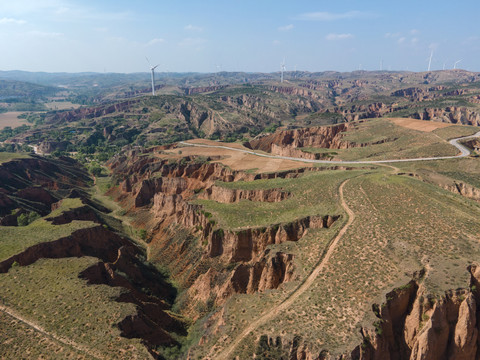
x=246 y=35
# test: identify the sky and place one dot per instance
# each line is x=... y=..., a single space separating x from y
x=230 y=35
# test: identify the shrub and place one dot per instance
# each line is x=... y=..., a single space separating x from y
x=27 y=218
x=96 y=170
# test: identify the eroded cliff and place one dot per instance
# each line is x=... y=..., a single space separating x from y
x=212 y=261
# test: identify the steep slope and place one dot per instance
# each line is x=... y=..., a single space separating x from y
x=212 y=260
x=105 y=266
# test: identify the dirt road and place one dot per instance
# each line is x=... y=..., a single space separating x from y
x=64 y=341
x=272 y=313
x=455 y=142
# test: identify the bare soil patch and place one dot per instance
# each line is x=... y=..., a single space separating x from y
x=420 y=125
x=238 y=160
x=11 y=119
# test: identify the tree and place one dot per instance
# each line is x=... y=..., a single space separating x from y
x=27 y=218
x=95 y=170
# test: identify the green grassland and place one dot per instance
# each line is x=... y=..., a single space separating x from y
x=402 y=225
x=455 y=131
x=312 y=194
x=14 y=240
x=464 y=170
x=50 y=294
x=400 y=142
x=19 y=341
x=65 y=205
x=6 y=156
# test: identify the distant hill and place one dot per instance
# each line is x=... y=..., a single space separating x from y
x=18 y=89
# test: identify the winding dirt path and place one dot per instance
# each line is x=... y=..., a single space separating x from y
x=36 y=327
x=272 y=313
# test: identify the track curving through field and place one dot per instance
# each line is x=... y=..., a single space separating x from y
x=68 y=342
x=290 y=300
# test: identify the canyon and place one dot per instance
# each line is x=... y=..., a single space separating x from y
x=197 y=252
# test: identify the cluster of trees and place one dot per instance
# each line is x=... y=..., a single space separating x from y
x=8 y=132
x=15 y=148
x=27 y=218
x=33 y=118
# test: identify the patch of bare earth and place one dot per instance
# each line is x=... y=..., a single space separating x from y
x=237 y=160
x=11 y=119
x=420 y=125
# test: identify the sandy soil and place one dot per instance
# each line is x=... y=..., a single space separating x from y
x=421 y=125
x=11 y=119
x=237 y=160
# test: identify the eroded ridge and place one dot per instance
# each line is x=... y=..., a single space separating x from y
x=272 y=313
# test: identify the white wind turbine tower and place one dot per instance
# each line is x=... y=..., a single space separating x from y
x=430 y=61
x=152 y=69
x=282 y=69
x=456 y=62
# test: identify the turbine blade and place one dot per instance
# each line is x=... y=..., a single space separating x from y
x=148 y=61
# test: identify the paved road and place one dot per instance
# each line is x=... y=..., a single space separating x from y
x=455 y=142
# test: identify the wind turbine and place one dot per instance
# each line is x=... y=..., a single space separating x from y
x=152 y=69
x=430 y=61
x=456 y=62
x=282 y=69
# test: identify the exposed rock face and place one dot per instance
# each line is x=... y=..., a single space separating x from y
x=249 y=102
x=288 y=142
x=374 y=110
x=249 y=244
x=225 y=195
x=414 y=325
x=323 y=136
x=413 y=92
x=450 y=114
x=152 y=323
x=411 y=325
x=95 y=241
x=84 y=213
x=120 y=266
x=268 y=273
x=291 y=90
x=36 y=183
x=464 y=189
x=36 y=194
x=189 y=240
x=293 y=349
x=92 y=112
x=47 y=147
x=423 y=94
x=473 y=144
